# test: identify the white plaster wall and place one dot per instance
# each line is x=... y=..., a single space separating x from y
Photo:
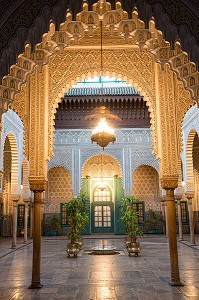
x=132 y=148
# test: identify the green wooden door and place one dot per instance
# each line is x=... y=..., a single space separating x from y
x=102 y=212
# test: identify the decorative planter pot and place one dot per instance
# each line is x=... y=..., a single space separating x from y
x=73 y=249
x=80 y=242
x=133 y=247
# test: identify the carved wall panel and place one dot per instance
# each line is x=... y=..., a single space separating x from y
x=172 y=110
x=59 y=189
x=146 y=187
x=190 y=128
x=37 y=128
x=101 y=165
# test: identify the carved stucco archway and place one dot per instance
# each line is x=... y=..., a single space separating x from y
x=14 y=190
x=132 y=52
x=189 y=161
x=101 y=166
x=102 y=161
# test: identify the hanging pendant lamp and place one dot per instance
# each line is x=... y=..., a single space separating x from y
x=103 y=134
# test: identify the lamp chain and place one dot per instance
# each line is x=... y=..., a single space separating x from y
x=102 y=66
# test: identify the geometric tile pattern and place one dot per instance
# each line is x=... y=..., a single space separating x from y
x=146 y=187
x=59 y=188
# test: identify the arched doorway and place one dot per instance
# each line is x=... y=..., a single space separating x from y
x=102 y=173
x=102 y=210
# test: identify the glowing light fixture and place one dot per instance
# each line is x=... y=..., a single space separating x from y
x=103 y=134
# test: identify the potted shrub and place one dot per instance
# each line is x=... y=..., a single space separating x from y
x=155 y=222
x=130 y=220
x=76 y=211
x=52 y=225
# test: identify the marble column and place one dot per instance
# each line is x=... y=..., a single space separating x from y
x=180 y=234
x=169 y=184
x=31 y=219
x=189 y=196
x=37 y=186
x=163 y=209
x=14 y=227
x=166 y=216
x=25 y=239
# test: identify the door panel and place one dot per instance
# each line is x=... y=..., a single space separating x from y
x=102 y=217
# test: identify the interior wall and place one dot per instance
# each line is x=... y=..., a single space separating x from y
x=146 y=187
x=59 y=189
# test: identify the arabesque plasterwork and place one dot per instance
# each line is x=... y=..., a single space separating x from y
x=131 y=51
x=73 y=150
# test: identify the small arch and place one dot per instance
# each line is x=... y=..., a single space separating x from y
x=59 y=189
x=185 y=72
x=146 y=186
x=178 y=62
x=14 y=162
x=189 y=159
x=192 y=81
x=97 y=167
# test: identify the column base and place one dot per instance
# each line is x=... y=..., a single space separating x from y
x=176 y=283
x=13 y=247
x=35 y=285
x=179 y=240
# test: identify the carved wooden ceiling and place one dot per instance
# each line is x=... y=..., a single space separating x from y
x=73 y=111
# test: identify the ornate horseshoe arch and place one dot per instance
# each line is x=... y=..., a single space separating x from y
x=131 y=51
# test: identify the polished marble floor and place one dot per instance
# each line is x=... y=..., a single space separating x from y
x=97 y=277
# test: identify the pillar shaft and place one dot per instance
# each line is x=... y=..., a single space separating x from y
x=14 y=228
x=180 y=220
x=37 y=186
x=26 y=222
x=169 y=183
x=191 y=221
x=36 y=262
x=31 y=219
x=175 y=278
x=163 y=209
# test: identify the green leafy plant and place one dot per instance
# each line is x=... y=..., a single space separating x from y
x=130 y=217
x=76 y=210
x=52 y=223
x=155 y=220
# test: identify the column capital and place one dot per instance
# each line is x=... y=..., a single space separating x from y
x=189 y=195
x=178 y=197
x=169 y=182
x=37 y=184
x=14 y=197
